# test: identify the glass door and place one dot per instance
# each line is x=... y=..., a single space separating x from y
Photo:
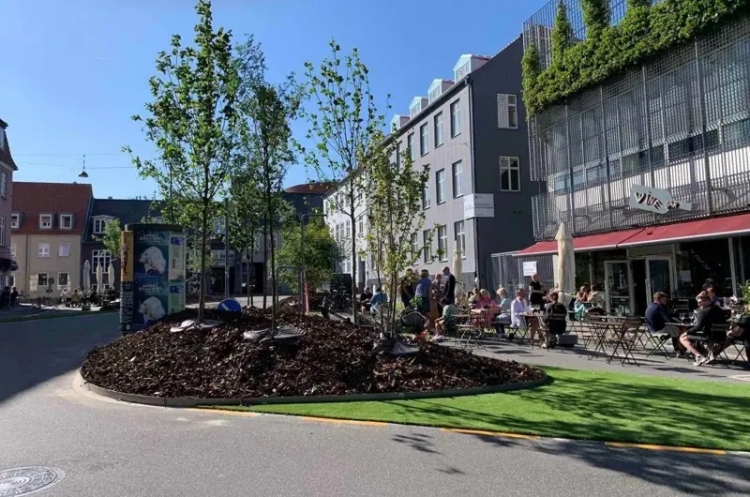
x=617 y=287
x=659 y=276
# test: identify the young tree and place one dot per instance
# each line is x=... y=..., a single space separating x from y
x=193 y=122
x=245 y=216
x=562 y=33
x=395 y=212
x=111 y=238
x=319 y=255
x=345 y=123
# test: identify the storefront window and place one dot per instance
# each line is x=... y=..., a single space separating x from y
x=698 y=262
x=597 y=264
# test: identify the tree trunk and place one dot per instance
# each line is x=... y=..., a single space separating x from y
x=269 y=205
x=250 y=252
x=265 y=259
x=204 y=242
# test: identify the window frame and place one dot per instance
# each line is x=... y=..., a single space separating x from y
x=426 y=246
x=437 y=124
x=455 y=111
x=39 y=278
x=42 y=217
x=424 y=139
x=3 y=184
x=458 y=187
x=60 y=249
x=442 y=242
x=40 y=252
x=98 y=254
x=62 y=225
x=504 y=107
x=15 y=224
x=440 y=186
x=410 y=144
x=460 y=235
x=67 y=278
x=510 y=169
x=426 y=198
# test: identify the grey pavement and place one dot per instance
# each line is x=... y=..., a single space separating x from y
x=579 y=358
x=112 y=449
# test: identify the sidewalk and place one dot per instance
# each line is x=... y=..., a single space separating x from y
x=576 y=358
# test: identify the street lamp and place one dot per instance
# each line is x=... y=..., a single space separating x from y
x=83 y=173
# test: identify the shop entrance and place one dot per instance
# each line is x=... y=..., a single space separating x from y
x=617 y=287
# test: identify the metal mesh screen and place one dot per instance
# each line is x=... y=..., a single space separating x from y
x=680 y=123
x=507 y=271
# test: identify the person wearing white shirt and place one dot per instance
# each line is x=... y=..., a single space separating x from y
x=517 y=309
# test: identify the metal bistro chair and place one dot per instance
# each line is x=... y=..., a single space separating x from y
x=469 y=334
x=624 y=337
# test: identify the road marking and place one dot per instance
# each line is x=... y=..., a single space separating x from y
x=343 y=421
x=491 y=433
x=665 y=448
x=228 y=412
x=217 y=422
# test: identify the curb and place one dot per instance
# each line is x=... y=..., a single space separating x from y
x=196 y=402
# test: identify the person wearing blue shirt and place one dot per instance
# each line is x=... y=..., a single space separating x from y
x=657 y=317
x=377 y=300
x=423 y=290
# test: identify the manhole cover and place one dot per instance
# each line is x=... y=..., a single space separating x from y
x=29 y=480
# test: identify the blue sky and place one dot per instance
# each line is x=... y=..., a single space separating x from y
x=74 y=72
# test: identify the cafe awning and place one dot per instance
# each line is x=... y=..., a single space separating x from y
x=602 y=241
x=701 y=229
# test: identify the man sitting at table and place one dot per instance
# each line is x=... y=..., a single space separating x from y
x=554 y=317
x=709 y=314
x=657 y=317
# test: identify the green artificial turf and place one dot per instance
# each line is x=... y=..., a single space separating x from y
x=577 y=404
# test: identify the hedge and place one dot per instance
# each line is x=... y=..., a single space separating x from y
x=644 y=32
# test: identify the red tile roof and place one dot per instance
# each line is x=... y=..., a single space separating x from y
x=5 y=155
x=33 y=199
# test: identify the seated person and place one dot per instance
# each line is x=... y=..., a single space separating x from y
x=378 y=300
x=503 y=318
x=708 y=315
x=555 y=318
x=364 y=299
x=446 y=323
x=657 y=317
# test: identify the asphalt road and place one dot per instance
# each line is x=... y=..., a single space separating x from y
x=112 y=449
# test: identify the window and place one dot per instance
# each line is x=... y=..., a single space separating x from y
x=41 y=279
x=458 y=170
x=63 y=250
x=442 y=233
x=66 y=221
x=510 y=174
x=439 y=129
x=414 y=244
x=456 y=118
x=458 y=228
x=3 y=184
x=424 y=140
x=463 y=71
x=100 y=258
x=62 y=280
x=427 y=246
x=426 y=196
x=14 y=221
x=99 y=224
x=398 y=155
x=410 y=145
x=361 y=225
x=440 y=181
x=507 y=111
x=45 y=221
x=2 y=231
x=43 y=250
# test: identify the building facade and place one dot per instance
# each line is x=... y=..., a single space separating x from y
x=7 y=167
x=47 y=223
x=471 y=133
x=650 y=170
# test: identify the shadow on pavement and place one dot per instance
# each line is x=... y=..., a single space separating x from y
x=35 y=351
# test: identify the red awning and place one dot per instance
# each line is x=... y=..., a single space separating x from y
x=716 y=227
x=602 y=241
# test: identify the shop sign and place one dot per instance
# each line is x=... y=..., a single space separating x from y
x=479 y=205
x=655 y=200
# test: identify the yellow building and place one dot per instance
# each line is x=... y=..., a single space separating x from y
x=47 y=223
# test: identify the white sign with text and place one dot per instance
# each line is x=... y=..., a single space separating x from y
x=479 y=205
x=655 y=200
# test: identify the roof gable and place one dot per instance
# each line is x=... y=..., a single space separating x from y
x=31 y=200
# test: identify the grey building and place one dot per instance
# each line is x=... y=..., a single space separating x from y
x=650 y=170
x=471 y=133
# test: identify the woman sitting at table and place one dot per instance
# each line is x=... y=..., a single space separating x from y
x=503 y=318
x=555 y=320
x=489 y=306
x=518 y=310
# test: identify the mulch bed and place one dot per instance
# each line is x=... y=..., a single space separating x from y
x=291 y=304
x=333 y=358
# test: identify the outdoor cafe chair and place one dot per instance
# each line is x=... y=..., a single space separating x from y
x=624 y=336
x=659 y=339
x=469 y=334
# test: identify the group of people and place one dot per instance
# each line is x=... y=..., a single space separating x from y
x=703 y=339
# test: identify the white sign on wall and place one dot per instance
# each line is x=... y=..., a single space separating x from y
x=479 y=205
x=655 y=200
x=529 y=268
